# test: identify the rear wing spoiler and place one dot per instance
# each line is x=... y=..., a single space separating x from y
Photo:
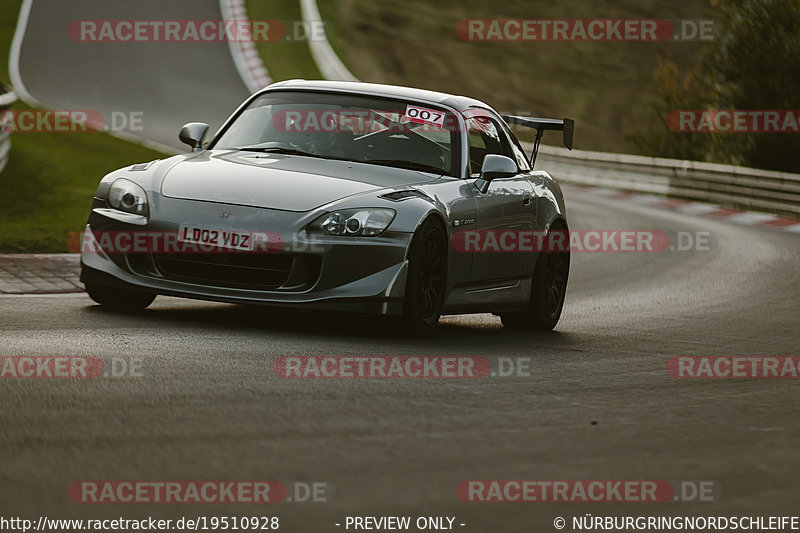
x=541 y=125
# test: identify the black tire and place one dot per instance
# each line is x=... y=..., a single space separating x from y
x=426 y=281
x=120 y=299
x=548 y=289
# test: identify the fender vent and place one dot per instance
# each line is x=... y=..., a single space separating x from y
x=399 y=196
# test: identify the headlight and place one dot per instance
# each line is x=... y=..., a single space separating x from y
x=363 y=222
x=126 y=196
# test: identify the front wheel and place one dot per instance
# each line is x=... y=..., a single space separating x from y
x=549 y=287
x=425 y=284
x=120 y=299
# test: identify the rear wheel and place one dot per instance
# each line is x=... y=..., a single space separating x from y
x=119 y=299
x=425 y=284
x=548 y=289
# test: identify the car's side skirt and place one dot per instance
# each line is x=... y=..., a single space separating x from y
x=489 y=296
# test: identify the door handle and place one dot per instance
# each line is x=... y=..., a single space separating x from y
x=526 y=200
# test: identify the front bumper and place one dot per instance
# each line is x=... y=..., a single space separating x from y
x=360 y=274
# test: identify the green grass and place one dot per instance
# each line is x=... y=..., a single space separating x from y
x=9 y=11
x=48 y=184
x=605 y=86
x=284 y=60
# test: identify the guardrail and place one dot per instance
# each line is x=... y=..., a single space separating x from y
x=328 y=63
x=728 y=185
x=245 y=55
x=7 y=98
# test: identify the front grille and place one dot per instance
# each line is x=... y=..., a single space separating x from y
x=242 y=270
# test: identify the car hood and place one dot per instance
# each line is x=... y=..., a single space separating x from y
x=276 y=181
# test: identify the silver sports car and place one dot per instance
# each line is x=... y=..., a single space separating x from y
x=341 y=196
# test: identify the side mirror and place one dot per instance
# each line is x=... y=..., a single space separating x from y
x=494 y=167
x=194 y=134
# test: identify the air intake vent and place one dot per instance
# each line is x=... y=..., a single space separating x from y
x=399 y=196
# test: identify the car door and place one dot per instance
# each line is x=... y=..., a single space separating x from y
x=504 y=211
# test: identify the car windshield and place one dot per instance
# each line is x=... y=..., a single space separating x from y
x=348 y=127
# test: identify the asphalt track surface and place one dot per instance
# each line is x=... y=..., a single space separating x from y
x=167 y=84
x=598 y=403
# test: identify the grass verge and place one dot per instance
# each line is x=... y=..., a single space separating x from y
x=606 y=87
x=285 y=59
x=50 y=178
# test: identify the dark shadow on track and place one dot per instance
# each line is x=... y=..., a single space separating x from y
x=341 y=326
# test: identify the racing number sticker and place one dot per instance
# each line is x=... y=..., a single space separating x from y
x=424 y=116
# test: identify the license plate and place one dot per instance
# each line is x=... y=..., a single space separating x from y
x=232 y=240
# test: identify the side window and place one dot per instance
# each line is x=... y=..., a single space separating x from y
x=484 y=138
x=516 y=149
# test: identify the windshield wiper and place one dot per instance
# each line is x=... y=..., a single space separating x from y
x=403 y=163
x=276 y=150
